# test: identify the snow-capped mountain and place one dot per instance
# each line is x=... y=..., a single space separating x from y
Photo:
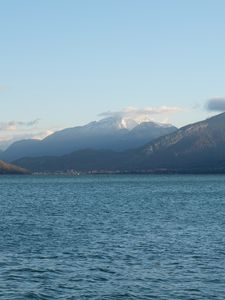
x=195 y=148
x=113 y=133
x=111 y=123
x=117 y=123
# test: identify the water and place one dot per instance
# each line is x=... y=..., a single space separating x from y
x=112 y=237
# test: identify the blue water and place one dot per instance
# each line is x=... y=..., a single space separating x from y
x=112 y=237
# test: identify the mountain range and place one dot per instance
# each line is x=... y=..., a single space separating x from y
x=116 y=134
x=198 y=147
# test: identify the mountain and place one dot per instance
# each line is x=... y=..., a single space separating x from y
x=4 y=145
x=198 y=147
x=6 y=169
x=80 y=160
x=116 y=134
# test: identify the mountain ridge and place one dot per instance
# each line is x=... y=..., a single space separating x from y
x=198 y=147
x=115 y=134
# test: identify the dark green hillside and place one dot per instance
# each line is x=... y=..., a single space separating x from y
x=82 y=160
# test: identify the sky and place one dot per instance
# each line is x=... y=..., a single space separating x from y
x=68 y=62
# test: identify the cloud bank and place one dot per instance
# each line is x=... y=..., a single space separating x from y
x=15 y=125
x=6 y=141
x=216 y=104
x=141 y=113
x=13 y=131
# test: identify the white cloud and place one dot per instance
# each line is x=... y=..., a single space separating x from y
x=15 y=125
x=142 y=113
x=13 y=131
x=6 y=141
x=42 y=135
x=216 y=104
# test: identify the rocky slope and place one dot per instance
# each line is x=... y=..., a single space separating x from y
x=196 y=146
x=7 y=169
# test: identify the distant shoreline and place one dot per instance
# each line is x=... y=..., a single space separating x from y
x=149 y=172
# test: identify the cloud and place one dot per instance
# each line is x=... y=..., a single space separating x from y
x=216 y=104
x=141 y=113
x=41 y=135
x=15 y=125
x=6 y=141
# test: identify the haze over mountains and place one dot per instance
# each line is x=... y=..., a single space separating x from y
x=113 y=133
x=196 y=147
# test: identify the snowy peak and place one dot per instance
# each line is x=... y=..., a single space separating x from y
x=152 y=126
x=118 y=123
x=128 y=123
x=111 y=124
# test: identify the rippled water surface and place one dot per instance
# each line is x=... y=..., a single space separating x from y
x=112 y=237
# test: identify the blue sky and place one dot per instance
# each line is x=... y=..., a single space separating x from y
x=63 y=62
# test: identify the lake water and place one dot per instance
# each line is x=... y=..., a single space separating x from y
x=112 y=237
